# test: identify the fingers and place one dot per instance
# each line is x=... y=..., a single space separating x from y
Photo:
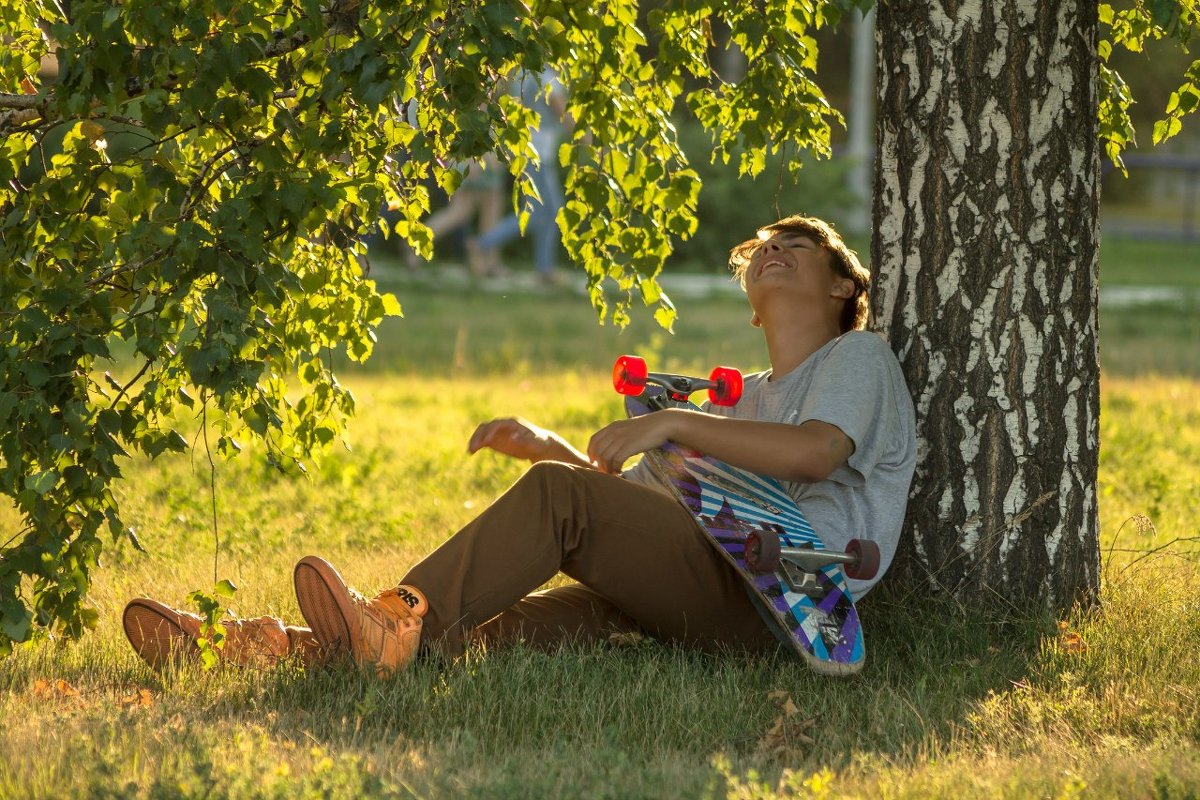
x=595 y=450
x=480 y=437
x=511 y=436
x=489 y=433
x=613 y=445
x=604 y=454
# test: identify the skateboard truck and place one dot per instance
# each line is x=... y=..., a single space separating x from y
x=630 y=377
x=765 y=553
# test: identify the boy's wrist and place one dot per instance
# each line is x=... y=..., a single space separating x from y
x=676 y=423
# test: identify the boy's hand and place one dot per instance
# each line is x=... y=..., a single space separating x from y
x=520 y=438
x=512 y=436
x=615 y=443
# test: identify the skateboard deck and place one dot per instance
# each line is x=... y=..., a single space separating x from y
x=728 y=503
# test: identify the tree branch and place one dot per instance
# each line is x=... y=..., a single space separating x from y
x=285 y=44
x=12 y=120
x=125 y=389
x=105 y=279
x=207 y=176
x=22 y=100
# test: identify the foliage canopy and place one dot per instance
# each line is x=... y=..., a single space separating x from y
x=181 y=209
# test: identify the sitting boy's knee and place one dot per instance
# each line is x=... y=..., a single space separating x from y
x=551 y=472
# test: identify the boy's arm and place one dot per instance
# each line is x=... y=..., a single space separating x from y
x=522 y=439
x=808 y=453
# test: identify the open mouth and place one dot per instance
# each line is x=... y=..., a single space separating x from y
x=772 y=263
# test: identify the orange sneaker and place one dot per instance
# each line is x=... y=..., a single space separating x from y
x=160 y=634
x=384 y=631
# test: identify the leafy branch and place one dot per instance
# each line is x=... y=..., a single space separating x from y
x=1133 y=28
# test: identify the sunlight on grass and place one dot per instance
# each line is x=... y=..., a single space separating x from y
x=1106 y=705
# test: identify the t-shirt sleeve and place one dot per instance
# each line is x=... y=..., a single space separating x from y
x=852 y=389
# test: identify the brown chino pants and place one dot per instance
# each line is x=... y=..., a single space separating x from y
x=640 y=561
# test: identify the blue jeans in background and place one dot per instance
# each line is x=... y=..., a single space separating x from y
x=542 y=225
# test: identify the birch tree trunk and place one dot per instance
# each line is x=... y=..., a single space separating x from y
x=986 y=203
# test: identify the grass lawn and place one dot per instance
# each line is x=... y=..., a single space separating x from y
x=950 y=704
x=1140 y=262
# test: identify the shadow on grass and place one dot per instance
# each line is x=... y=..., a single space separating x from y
x=651 y=707
x=641 y=720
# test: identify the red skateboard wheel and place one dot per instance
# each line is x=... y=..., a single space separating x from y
x=728 y=389
x=629 y=375
x=868 y=559
x=762 y=551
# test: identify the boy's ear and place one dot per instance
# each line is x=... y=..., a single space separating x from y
x=843 y=288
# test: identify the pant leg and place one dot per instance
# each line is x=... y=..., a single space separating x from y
x=572 y=613
x=508 y=228
x=636 y=547
x=547 y=236
x=500 y=234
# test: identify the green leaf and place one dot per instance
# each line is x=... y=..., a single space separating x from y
x=15 y=622
x=132 y=536
x=1166 y=128
x=391 y=306
x=37 y=374
x=209 y=658
x=8 y=402
x=1164 y=11
x=42 y=482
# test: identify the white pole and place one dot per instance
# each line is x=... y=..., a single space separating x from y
x=860 y=124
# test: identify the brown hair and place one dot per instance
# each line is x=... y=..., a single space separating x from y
x=844 y=261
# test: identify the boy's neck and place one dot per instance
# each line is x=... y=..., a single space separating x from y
x=791 y=343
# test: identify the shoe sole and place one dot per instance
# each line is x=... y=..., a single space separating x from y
x=156 y=634
x=326 y=605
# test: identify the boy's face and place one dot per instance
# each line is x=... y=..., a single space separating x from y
x=788 y=259
x=793 y=267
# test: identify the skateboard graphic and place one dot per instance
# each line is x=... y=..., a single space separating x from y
x=757 y=527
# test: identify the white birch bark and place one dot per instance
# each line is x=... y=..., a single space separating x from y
x=986 y=233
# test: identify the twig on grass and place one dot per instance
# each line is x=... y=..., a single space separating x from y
x=1160 y=550
x=1142 y=521
x=1144 y=524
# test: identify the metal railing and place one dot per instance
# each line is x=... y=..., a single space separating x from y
x=1184 y=228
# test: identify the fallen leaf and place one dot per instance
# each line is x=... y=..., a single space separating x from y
x=57 y=689
x=783 y=702
x=786 y=736
x=139 y=699
x=1072 y=642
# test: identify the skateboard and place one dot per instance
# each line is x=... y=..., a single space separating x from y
x=757 y=527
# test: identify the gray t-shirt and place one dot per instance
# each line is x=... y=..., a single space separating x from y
x=855 y=383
